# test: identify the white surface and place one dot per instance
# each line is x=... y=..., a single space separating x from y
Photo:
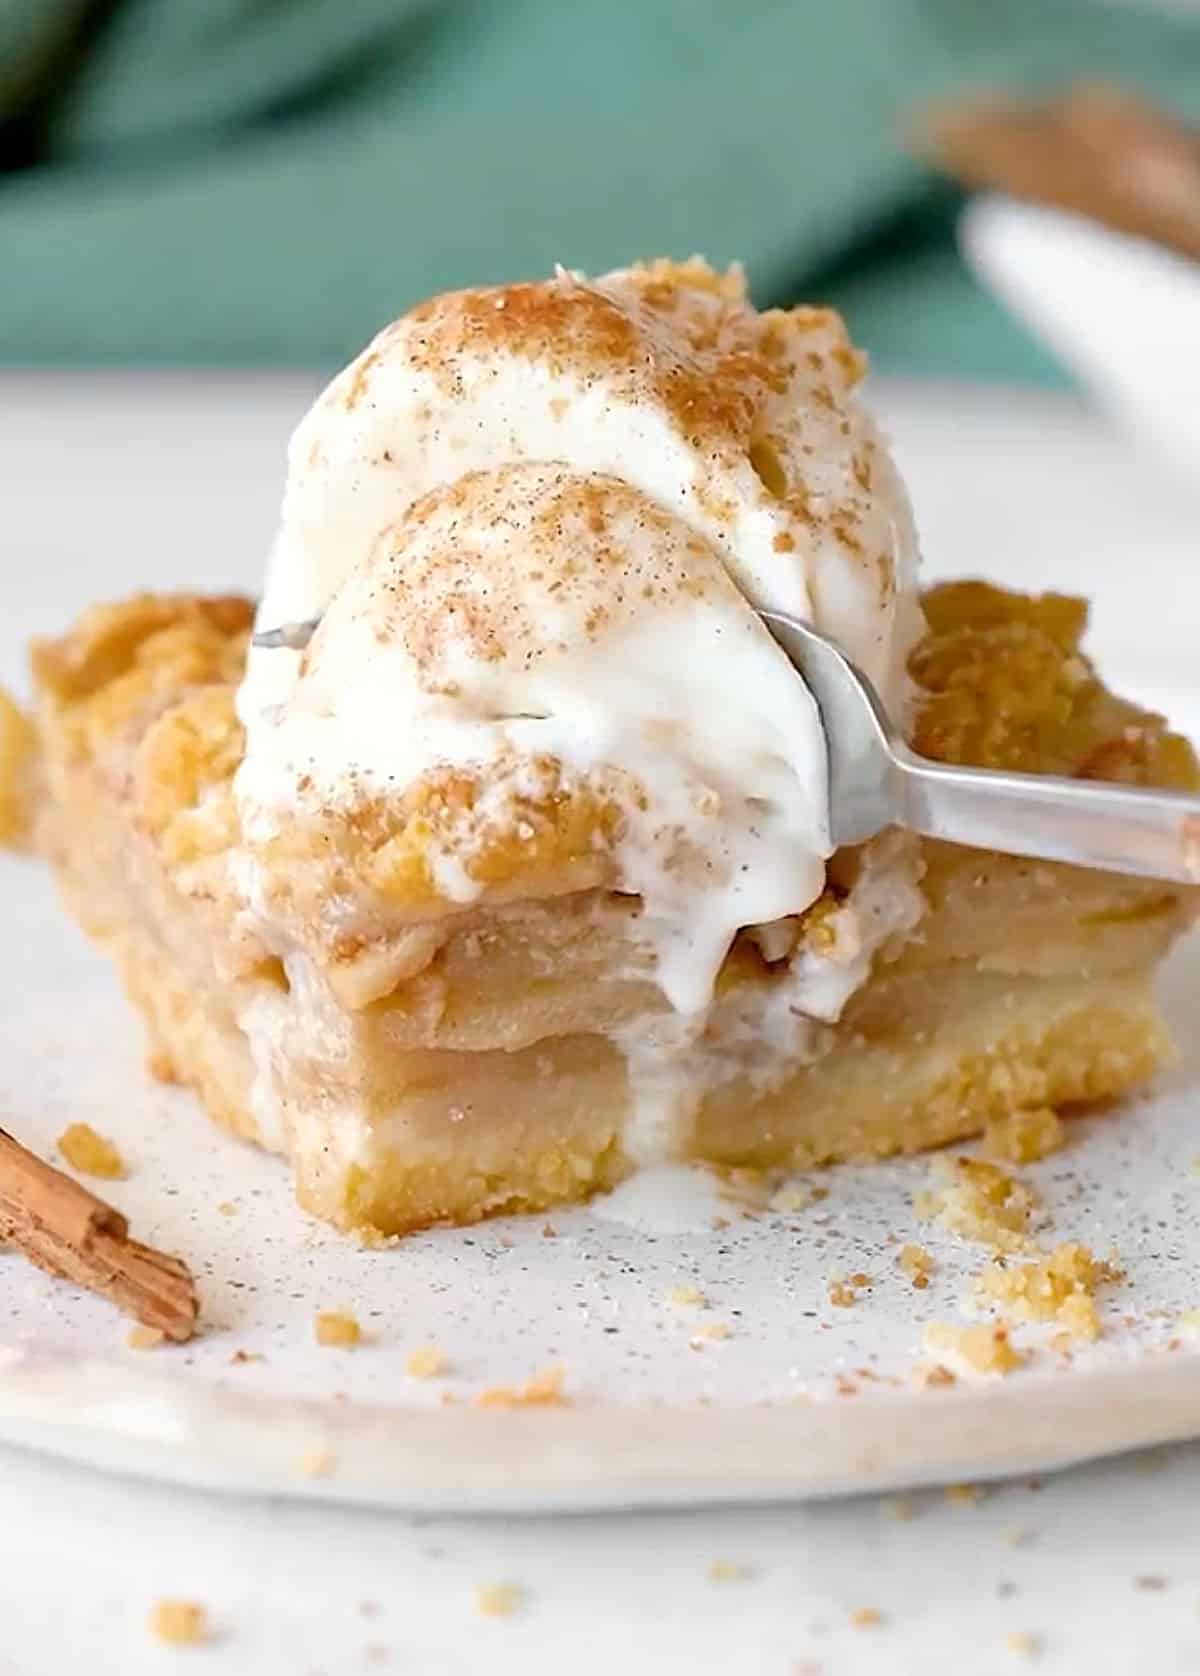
x=1121 y=312
x=175 y=482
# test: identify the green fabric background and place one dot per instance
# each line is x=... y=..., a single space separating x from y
x=260 y=181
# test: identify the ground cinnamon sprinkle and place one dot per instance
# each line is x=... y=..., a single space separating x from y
x=86 y=1151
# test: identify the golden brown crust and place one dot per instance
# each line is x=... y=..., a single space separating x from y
x=1002 y=684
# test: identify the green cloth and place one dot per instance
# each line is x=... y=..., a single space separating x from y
x=268 y=181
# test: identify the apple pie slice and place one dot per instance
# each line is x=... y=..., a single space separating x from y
x=514 y=875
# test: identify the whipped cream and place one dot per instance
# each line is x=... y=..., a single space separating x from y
x=537 y=524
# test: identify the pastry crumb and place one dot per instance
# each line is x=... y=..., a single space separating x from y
x=1022 y=1644
x=89 y=1153
x=844 y=1289
x=937 y=1375
x=1059 y=1286
x=986 y=1348
x=1022 y=1137
x=917 y=1264
x=178 y=1623
x=711 y=1331
x=793 y=1196
x=497 y=1600
x=237 y=1357
x=142 y=1337
x=979 y=1201
x=544 y=1390
x=964 y=1495
x=227 y=1208
x=426 y=1363
x=687 y=1295
x=1189 y=1323
x=333 y=1329
x=317 y=1463
x=866 y=1617
x=729 y=1571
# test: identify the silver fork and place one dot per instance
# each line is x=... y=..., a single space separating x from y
x=875 y=781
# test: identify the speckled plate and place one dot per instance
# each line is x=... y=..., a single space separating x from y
x=1029 y=489
x=765 y=1391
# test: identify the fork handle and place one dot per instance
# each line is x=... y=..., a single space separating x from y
x=1089 y=823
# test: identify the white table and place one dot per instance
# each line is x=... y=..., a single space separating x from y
x=1101 y=1565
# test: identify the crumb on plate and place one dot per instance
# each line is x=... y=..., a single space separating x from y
x=979 y=1201
x=426 y=1363
x=1060 y=1286
x=985 y=1348
x=178 y=1623
x=935 y=1376
x=964 y=1495
x=917 y=1264
x=1022 y=1137
x=544 y=1390
x=142 y=1337
x=334 y=1329
x=685 y=1295
x=90 y=1153
x=728 y=1571
x=497 y=1600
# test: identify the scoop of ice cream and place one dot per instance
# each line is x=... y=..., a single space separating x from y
x=537 y=522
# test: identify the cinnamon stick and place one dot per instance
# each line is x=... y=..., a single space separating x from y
x=70 y=1233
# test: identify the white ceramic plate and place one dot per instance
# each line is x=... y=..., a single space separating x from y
x=767 y=1411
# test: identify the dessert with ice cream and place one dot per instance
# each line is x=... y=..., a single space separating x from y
x=513 y=874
